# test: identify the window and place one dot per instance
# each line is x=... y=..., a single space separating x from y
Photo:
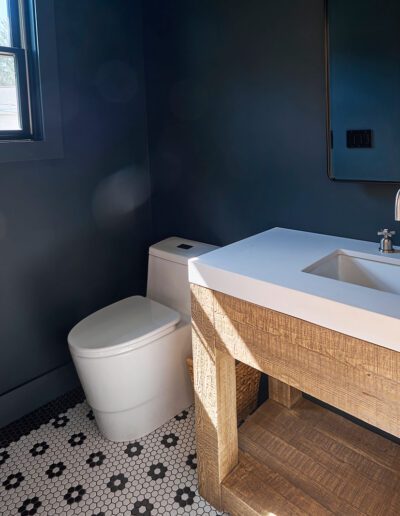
x=18 y=105
x=30 y=114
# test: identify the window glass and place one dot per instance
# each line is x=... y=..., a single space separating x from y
x=5 y=33
x=9 y=108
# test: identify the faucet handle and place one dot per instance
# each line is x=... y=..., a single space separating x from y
x=386 y=233
x=386 y=245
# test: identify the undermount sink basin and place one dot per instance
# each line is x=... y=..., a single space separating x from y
x=379 y=273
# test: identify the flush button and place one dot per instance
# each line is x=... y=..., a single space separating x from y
x=184 y=246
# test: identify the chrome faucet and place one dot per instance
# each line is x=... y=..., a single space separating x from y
x=397 y=207
x=386 y=245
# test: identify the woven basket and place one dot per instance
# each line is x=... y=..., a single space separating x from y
x=247 y=385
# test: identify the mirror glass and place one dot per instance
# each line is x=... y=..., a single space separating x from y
x=363 y=70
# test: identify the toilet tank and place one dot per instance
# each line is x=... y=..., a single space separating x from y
x=167 y=277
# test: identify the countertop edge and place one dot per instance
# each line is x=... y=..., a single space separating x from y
x=373 y=327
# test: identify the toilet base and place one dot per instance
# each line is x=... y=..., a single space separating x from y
x=135 y=423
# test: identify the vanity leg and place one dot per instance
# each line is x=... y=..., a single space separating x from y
x=215 y=401
x=283 y=393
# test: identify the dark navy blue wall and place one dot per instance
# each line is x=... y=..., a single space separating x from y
x=74 y=232
x=236 y=114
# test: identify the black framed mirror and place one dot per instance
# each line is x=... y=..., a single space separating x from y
x=363 y=89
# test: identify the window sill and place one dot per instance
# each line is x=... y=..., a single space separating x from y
x=27 y=150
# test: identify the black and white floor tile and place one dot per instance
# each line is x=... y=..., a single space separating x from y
x=64 y=466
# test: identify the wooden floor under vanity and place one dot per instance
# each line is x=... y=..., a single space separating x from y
x=308 y=460
x=293 y=456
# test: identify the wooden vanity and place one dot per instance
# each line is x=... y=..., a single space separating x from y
x=292 y=456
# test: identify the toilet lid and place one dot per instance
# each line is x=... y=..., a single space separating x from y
x=122 y=326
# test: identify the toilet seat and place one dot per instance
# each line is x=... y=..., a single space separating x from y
x=123 y=326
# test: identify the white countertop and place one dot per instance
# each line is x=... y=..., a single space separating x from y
x=267 y=269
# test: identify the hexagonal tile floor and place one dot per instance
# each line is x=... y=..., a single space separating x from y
x=64 y=466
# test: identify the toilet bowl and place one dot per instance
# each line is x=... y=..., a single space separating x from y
x=131 y=356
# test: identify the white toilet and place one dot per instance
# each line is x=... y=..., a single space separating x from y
x=131 y=356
